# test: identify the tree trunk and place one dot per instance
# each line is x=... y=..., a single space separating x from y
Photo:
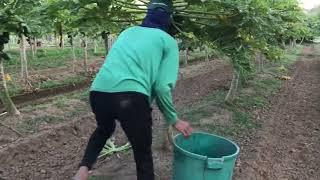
x=105 y=38
x=95 y=46
x=4 y=94
x=261 y=62
x=294 y=43
x=56 y=39
x=233 y=87
x=85 y=60
x=186 y=55
x=301 y=41
x=207 y=53
x=61 y=44
x=9 y=45
x=111 y=42
x=73 y=55
x=23 y=57
x=284 y=44
x=33 y=45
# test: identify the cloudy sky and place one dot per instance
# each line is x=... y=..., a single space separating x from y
x=309 y=4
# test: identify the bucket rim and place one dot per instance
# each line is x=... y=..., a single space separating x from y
x=201 y=157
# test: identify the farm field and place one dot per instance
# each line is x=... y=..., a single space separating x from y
x=247 y=71
x=55 y=131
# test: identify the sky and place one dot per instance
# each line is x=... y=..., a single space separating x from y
x=309 y=4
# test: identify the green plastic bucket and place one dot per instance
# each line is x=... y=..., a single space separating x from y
x=203 y=156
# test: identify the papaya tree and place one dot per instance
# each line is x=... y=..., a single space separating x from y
x=92 y=18
x=28 y=15
x=9 y=23
x=240 y=29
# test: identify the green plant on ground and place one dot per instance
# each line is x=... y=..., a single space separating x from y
x=32 y=125
x=110 y=148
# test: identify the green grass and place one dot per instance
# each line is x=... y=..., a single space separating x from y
x=55 y=83
x=48 y=58
x=16 y=89
x=30 y=108
x=281 y=67
x=66 y=111
x=32 y=125
x=292 y=55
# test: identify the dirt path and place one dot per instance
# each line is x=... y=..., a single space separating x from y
x=287 y=145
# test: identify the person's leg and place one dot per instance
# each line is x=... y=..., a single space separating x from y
x=134 y=115
x=100 y=104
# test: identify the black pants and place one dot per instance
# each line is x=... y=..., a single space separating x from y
x=133 y=111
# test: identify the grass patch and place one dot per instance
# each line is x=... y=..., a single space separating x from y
x=281 y=67
x=48 y=58
x=33 y=125
x=292 y=55
x=31 y=108
x=67 y=105
x=67 y=81
x=16 y=89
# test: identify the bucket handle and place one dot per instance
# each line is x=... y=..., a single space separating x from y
x=215 y=163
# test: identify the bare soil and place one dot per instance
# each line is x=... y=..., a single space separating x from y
x=287 y=145
x=55 y=152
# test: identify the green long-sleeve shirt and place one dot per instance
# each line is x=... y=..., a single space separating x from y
x=144 y=60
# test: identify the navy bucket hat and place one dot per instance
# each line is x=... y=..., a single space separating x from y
x=166 y=5
x=159 y=15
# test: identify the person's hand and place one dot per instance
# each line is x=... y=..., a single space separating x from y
x=82 y=174
x=183 y=127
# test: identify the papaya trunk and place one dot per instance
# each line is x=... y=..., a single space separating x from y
x=301 y=41
x=23 y=57
x=207 y=54
x=4 y=94
x=284 y=44
x=85 y=59
x=61 y=44
x=261 y=62
x=35 y=46
x=105 y=38
x=294 y=43
x=233 y=87
x=186 y=55
x=95 y=46
x=56 y=39
x=74 y=60
x=32 y=45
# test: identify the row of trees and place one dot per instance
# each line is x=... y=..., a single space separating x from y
x=239 y=29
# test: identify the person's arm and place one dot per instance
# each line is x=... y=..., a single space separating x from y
x=166 y=81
